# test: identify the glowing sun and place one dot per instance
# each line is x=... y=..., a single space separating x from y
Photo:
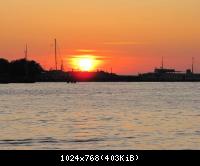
x=84 y=62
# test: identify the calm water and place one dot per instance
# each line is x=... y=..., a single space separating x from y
x=100 y=116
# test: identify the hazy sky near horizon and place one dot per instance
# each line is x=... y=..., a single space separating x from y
x=128 y=35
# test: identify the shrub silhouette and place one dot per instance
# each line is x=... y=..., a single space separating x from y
x=22 y=67
x=4 y=66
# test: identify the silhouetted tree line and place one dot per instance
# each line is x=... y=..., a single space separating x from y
x=19 y=68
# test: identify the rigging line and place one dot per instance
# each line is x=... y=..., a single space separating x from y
x=59 y=53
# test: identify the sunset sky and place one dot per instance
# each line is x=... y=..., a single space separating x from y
x=130 y=36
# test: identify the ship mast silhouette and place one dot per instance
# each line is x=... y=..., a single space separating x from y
x=56 y=53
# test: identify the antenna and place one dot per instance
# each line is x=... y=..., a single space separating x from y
x=56 y=67
x=192 y=64
x=26 y=52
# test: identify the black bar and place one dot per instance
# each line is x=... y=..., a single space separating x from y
x=92 y=157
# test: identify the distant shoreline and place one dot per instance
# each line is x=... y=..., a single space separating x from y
x=25 y=71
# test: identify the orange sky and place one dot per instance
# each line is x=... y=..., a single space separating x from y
x=130 y=36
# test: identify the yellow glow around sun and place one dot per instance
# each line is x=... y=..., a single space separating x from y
x=84 y=62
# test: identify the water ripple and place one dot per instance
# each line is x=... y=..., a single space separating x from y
x=28 y=141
